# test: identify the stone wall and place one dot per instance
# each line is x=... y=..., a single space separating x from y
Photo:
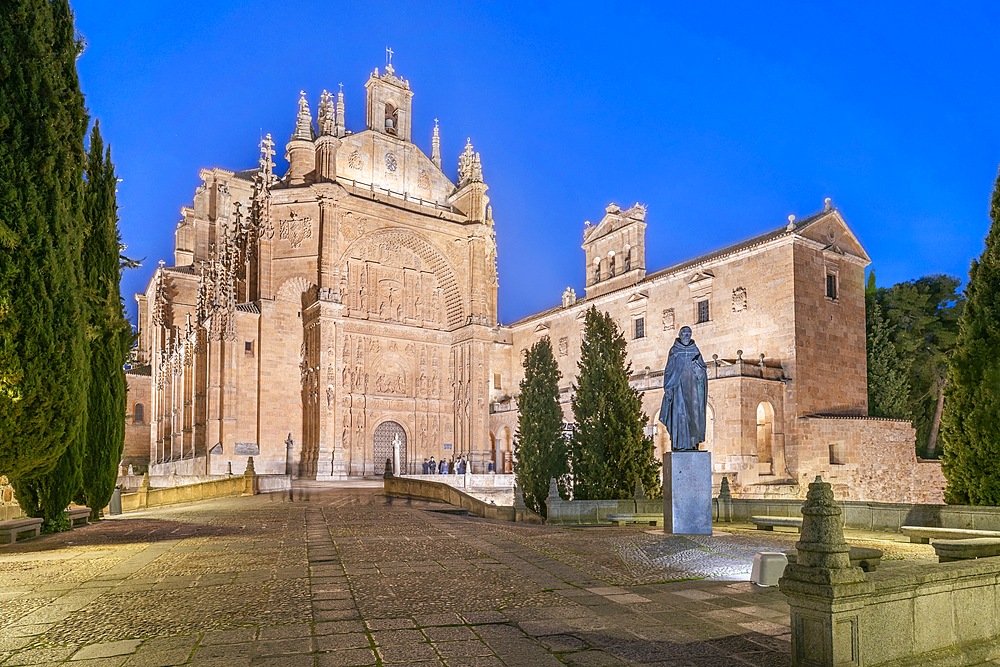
x=867 y=459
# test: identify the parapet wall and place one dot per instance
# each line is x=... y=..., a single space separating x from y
x=422 y=489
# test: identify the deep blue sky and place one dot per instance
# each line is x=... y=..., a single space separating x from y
x=722 y=119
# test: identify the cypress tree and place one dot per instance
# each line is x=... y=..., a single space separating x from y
x=888 y=388
x=971 y=452
x=608 y=449
x=109 y=332
x=540 y=450
x=43 y=355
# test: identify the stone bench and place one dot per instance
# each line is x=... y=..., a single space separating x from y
x=622 y=519
x=769 y=522
x=865 y=558
x=924 y=534
x=13 y=529
x=976 y=547
x=78 y=516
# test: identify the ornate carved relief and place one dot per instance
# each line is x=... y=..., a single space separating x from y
x=739 y=299
x=295 y=229
x=355 y=160
x=668 y=319
x=563 y=346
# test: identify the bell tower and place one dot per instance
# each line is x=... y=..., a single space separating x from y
x=389 y=102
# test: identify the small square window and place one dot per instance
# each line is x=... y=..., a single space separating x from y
x=703 y=311
x=248 y=348
x=831 y=286
x=640 y=327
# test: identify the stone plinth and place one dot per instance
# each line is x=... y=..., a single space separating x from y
x=687 y=493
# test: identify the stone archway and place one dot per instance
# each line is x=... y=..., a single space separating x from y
x=387 y=434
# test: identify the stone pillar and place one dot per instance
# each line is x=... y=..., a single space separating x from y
x=725 y=502
x=250 y=484
x=825 y=593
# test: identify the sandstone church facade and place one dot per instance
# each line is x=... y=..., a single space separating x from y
x=346 y=313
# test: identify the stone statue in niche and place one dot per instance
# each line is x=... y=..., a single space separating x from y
x=685 y=394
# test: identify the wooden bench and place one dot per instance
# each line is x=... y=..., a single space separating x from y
x=622 y=519
x=769 y=522
x=976 y=547
x=78 y=516
x=865 y=558
x=13 y=530
x=924 y=534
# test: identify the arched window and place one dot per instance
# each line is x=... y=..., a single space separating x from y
x=597 y=272
x=628 y=260
x=765 y=436
x=611 y=266
x=137 y=414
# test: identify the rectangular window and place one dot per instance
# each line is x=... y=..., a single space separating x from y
x=831 y=285
x=640 y=327
x=496 y=381
x=703 y=311
x=248 y=348
x=837 y=454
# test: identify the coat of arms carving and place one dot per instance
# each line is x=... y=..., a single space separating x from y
x=295 y=229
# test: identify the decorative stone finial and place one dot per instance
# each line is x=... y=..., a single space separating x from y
x=303 y=121
x=436 y=145
x=724 y=491
x=553 y=489
x=823 y=554
x=568 y=297
x=827 y=204
x=791 y=223
x=470 y=167
x=519 y=498
x=639 y=492
x=249 y=472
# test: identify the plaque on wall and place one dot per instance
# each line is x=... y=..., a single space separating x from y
x=246 y=449
x=447 y=445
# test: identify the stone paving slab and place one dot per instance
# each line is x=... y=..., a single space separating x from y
x=345 y=577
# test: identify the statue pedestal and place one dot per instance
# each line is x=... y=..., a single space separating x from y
x=687 y=493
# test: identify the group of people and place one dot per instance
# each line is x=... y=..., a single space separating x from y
x=446 y=466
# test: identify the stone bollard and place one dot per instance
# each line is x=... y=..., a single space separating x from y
x=142 y=493
x=823 y=589
x=251 y=486
x=725 y=502
x=389 y=473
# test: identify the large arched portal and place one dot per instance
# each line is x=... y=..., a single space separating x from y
x=390 y=443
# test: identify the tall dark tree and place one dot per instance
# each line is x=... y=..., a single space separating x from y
x=888 y=388
x=43 y=352
x=971 y=456
x=541 y=452
x=609 y=450
x=109 y=332
x=923 y=316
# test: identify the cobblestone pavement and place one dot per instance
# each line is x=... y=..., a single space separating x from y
x=343 y=577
